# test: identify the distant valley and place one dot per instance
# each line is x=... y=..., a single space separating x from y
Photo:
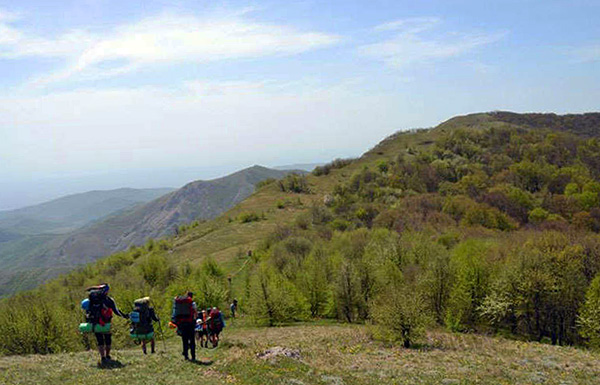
x=42 y=241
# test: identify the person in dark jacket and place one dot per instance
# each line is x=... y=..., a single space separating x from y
x=145 y=326
x=108 y=307
x=186 y=324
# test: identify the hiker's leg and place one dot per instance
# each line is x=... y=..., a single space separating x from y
x=144 y=346
x=107 y=342
x=191 y=341
x=152 y=345
x=185 y=344
x=100 y=341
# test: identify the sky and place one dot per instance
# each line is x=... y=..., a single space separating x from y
x=101 y=94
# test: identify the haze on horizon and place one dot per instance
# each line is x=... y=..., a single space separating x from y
x=101 y=94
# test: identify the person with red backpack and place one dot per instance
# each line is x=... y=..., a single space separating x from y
x=184 y=316
x=99 y=311
x=216 y=323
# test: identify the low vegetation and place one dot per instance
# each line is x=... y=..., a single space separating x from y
x=335 y=164
x=327 y=354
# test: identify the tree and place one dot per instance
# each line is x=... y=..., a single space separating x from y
x=588 y=321
x=399 y=314
x=274 y=299
x=314 y=282
x=472 y=272
x=347 y=292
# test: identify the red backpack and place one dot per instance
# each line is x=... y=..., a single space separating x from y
x=183 y=310
x=216 y=322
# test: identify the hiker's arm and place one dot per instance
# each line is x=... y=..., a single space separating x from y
x=113 y=305
x=154 y=316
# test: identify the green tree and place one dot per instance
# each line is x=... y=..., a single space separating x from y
x=399 y=314
x=588 y=321
x=274 y=299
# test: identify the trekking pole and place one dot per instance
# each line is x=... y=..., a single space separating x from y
x=162 y=336
x=160 y=328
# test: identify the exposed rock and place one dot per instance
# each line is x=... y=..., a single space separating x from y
x=332 y=380
x=450 y=381
x=278 y=351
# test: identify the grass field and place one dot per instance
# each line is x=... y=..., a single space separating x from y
x=329 y=354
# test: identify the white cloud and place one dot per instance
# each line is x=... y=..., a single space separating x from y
x=413 y=25
x=166 y=38
x=411 y=44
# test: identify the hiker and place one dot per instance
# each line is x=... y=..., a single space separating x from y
x=141 y=319
x=233 y=307
x=202 y=329
x=100 y=309
x=216 y=323
x=184 y=316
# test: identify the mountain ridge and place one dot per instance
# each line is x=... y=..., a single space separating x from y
x=131 y=225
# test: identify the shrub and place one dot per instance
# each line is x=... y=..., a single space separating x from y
x=249 y=217
x=400 y=315
x=336 y=163
x=264 y=183
x=538 y=215
x=294 y=183
x=273 y=299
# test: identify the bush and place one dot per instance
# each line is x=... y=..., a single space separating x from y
x=336 y=163
x=264 y=183
x=400 y=315
x=273 y=299
x=250 y=217
x=294 y=183
x=538 y=215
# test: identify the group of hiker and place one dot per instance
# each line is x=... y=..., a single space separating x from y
x=191 y=324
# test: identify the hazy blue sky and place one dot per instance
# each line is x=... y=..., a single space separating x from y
x=98 y=94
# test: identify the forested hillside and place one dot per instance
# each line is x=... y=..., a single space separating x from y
x=485 y=223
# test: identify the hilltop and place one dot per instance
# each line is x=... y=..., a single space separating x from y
x=478 y=225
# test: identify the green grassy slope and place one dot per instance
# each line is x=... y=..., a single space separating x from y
x=329 y=354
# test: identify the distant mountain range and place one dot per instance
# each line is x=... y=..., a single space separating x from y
x=68 y=213
x=39 y=242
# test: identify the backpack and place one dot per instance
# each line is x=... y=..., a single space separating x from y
x=183 y=310
x=142 y=307
x=216 y=320
x=97 y=312
x=140 y=317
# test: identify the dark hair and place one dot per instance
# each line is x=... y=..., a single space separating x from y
x=190 y=294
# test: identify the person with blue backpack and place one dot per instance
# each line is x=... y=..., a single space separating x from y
x=142 y=317
x=99 y=309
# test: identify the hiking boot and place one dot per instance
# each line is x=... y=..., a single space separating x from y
x=108 y=358
x=104 y=361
